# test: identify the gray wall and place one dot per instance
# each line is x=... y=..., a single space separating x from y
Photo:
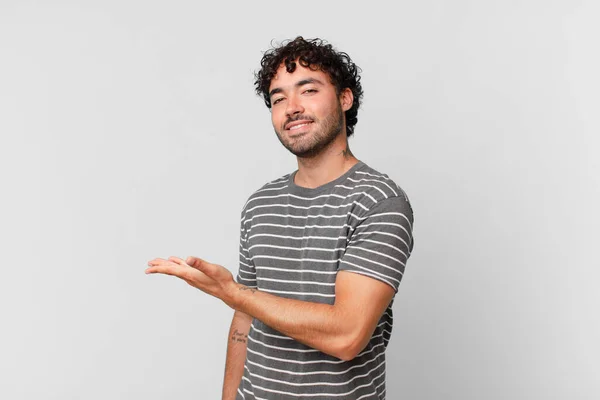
x=130 y=130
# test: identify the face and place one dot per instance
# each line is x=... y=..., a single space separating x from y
x=306 y=111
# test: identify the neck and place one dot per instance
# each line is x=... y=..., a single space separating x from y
x=328 y=165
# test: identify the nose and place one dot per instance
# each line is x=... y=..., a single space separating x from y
x=293 y=106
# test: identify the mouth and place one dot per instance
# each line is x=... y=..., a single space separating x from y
x=297 y=125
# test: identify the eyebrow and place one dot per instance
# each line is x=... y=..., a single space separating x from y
x=298 y=84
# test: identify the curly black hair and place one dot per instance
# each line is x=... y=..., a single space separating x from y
x=315 y=54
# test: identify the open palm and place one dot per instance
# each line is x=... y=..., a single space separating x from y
x=213 y=279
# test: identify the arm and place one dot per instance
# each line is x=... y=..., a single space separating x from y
x=379 y=248
x=376 y=257
x=236 y=354
x=341 y=330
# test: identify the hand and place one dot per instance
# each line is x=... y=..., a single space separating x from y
x=213 y=279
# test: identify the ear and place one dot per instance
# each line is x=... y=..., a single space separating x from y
x=346 y=99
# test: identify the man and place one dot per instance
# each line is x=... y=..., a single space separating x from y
x=322 y=250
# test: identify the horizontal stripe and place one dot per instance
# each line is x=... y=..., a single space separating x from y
x=360 y=240
x=298 y=217
x=329 y=206
x=370 y=274
x=283 y=227
x=297 y=293
x=367 y=180
x=356 y=234
x=380 y=181
x=308 y=394
x=297 y=238
x=296 y=281
x=325 y=363
x=321 y=372
x=270 y=334
x=372 y=262
x=297 y=248
x=379 y=254
x=293 y=259
x=318 y=383
x=356 y=193
x=259 y=268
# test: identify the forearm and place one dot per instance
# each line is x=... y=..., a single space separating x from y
x=236 y=354
x=320 y=326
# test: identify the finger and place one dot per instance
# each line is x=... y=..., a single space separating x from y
x=159 y=261
x=169 y=269
x=177 y=260
x=195 y=262
x=205 y=267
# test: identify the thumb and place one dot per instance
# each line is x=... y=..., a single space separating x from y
x=194 y=262
x=203 y=266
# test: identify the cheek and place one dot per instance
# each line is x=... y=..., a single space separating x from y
x=276 y=118
x=320 y=108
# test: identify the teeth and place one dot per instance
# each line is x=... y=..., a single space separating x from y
x=298 y=126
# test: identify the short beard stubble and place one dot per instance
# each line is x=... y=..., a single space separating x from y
x=302 y=147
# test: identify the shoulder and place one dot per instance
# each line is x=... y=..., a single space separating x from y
x=375 y=189
x=388 y=212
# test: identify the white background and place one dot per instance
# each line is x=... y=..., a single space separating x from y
x=130 y=130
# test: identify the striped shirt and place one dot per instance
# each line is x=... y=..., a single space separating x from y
x=293 y=241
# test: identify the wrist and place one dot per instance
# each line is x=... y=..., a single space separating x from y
x=232 y=294
x=238 y=295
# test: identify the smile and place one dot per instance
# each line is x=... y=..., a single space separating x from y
x=299 y=126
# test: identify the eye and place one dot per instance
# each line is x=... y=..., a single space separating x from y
x=310 y=91
x=277 y=100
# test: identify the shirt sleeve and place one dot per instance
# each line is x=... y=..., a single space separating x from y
x=246 y=272
x=381 y=242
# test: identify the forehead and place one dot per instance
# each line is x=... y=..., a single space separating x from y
x=283 y=78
